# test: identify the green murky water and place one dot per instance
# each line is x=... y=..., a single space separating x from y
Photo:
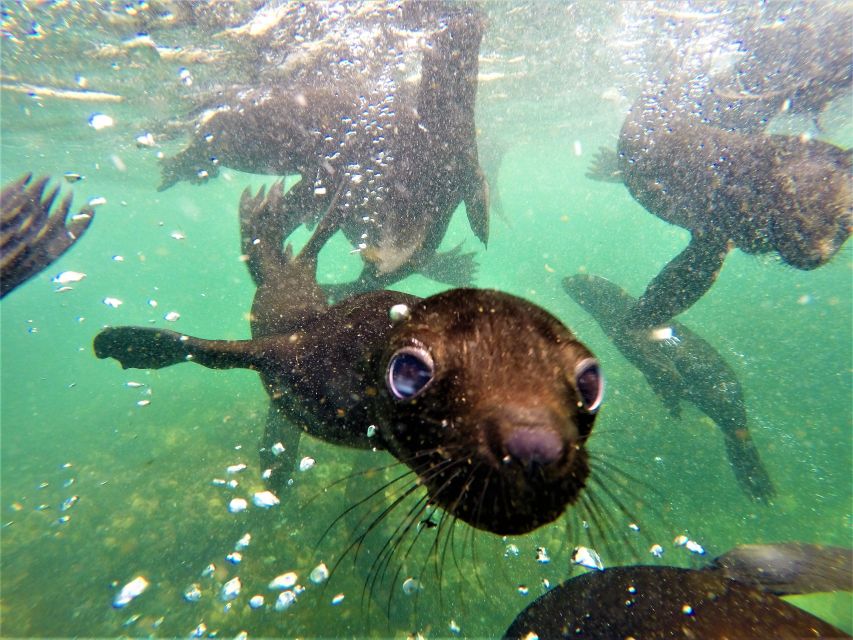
x=71 y=425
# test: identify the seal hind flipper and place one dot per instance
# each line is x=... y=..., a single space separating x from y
x=31 y=238
x=150 y=348
x=684 y=279
x=746 y=464
x=451 y=267
x=605 y=167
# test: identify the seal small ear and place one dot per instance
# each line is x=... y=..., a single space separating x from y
x=477 y=207
x=149 y=348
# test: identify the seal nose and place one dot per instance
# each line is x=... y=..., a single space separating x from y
x=529 y=445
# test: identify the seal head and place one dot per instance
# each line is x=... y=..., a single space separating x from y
x=490 y=399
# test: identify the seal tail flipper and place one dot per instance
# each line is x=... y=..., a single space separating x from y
x=789 y=568
x=747 y=466
x=684 y=279
x=605 y=167
x=149 y=348
x=451 y=267
x=278 y=433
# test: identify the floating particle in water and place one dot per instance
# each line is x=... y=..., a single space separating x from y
x=694 y=547
x=243 y=635
x=118 y=258
x=43 y=485
x=42 y=507
x=266 y=474
x=143 y=403
x=100 y=121
x=68 y=482
x=578 y=148
x=410 y=586
x=277 y=449
x=235 y=468
x=656 y=550
x=208 y=571
x=284 y=581
x=399 y=312
x=237 y=505
x=145 y=140
x=159 y=621
x=633 y=526
x=131 y=620
x=185 y=76
x=152 y=303
x=256 y=602
x=243 y=542
x=231 y=589
x=131 y=590
x=265 y=499
x=16 y=506
x=546 y=584
x=285 y=600
x=134 y=385
x=62 y=289
x=687 y=610
x=319 y=191
x=71 y=177
x=586 y=557
x=306 y=463
x=97 y=201
x=218 y=482
x=178 y=235
x=455 y=629
x=235 y=557
x=523 y=590
x=192 y=593
x=68 y=503
x=319 y=574
x=115 y=303
x=542 y=556
x=203 y=174
x=511 y=551
x=232 y=484
x=199 y=631
x=680 y=541
x=172 y=316
x=63 y=519
x=338 y=599
x=371 y=430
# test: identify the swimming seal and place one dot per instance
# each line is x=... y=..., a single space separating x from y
x=679 y=365
x=487 y=397
x=30 y=237
x=409 y=154
x=756 y=192
x=736 y=596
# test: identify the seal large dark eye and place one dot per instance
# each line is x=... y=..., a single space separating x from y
x=590 y=384
x=409 y=372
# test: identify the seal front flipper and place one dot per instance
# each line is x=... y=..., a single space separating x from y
x=684 y=280
x=477 y=204
x=149 y=348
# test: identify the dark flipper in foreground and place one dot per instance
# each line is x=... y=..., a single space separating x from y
x=713 y=603
x=679 y=365
x=31 y=238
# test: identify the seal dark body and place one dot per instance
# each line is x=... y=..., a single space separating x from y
x=407 y=163
x=756 y=192
x=712 y=603
x=683 y=367
x=31 y=238
x=488 y=398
